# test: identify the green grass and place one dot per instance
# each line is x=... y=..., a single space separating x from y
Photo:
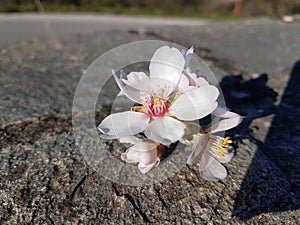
x=187 y=13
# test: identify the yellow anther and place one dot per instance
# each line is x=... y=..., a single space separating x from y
x=219 y=145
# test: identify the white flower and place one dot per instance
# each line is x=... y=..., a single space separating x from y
x=161 y=108
x=211 y=150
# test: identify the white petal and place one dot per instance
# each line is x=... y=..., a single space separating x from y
x=165 y=130
x=130 y=139
x=123 y=124
x=198 y=149
x=161 y=86
x=137 y=80
x=201 y=81
x=167 y=63
x=195 y=104
x=211 y=169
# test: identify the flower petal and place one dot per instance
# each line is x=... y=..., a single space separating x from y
x=188 y=56
x=130 y=156
x=167 y=63
x=198 y=149
x=144 y=152
x=165 y=130
x=123 y=124
x=225 y=124
x=130 y=139
x=201 y=81
x=137 y=80
x=211 y=169
x=195 y=104
x=224 y=112
x=127 y=90
x=184 y=84
x=231 y=120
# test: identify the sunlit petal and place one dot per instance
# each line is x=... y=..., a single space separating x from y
x=167 y=63
x=165 y=130
x=123 y=124
x=195 y=104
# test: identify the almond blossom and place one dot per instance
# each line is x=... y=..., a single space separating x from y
x=162 y=107
x=212 y=150
x=143 y=152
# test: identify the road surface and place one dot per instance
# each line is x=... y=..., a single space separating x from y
x=23 y=27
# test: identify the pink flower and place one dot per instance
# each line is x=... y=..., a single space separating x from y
x=143 y=152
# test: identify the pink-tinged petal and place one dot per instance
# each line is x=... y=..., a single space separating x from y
x=167 y=63
x=225 y=124
x=188 y=56
x=144 y=153
x=184 y=85
x=223 y=111
x=211 y=169
x=147 y=152
x=193 y=79
x=130 y=156
x=130 y=92
x=165 y=130
x=231 y=120
x=137 y=80
x=198 y=149
x=195 y=104
x=123 y=124
x=130 y=139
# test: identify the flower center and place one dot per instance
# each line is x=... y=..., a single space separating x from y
x=219 y=145
x=156 y=106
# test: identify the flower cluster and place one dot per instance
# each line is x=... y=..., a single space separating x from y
x=167 y=101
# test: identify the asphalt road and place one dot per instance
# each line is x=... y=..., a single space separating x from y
x=23 y=27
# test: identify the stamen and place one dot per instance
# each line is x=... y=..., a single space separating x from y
x=155 y=104
x=218 y=145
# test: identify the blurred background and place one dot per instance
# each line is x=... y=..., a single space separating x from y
x=217 y=9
